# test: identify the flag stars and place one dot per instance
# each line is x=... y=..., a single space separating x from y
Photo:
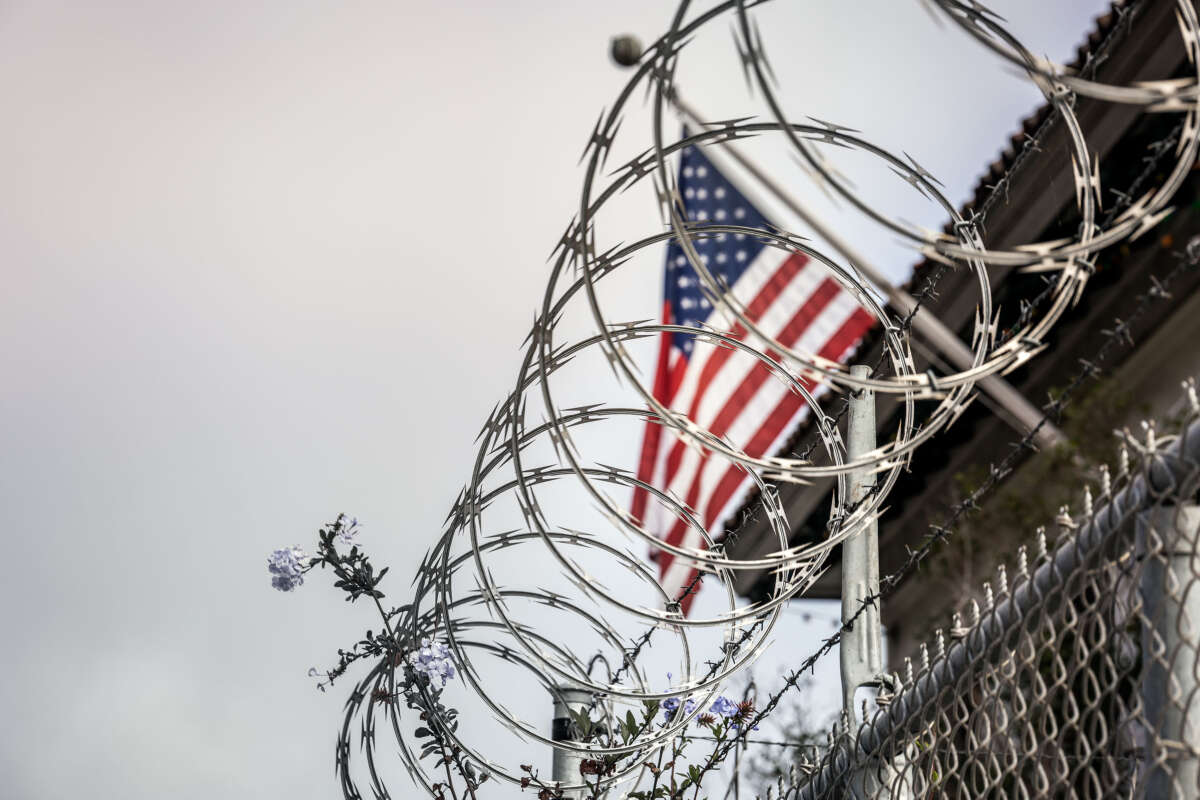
x=707 y=198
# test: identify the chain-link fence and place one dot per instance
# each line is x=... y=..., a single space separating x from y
x=1076 y=679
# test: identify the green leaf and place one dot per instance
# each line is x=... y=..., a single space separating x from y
x=582 y=722
x=630 y=725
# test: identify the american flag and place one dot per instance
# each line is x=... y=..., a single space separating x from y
x=795 y=300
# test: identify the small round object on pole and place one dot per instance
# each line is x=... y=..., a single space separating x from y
x=625 y=49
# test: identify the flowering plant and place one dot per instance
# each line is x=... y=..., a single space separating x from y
x=425 y=665
x=418 y=669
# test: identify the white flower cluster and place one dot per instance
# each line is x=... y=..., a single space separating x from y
x=287 y=568
x=432 y=660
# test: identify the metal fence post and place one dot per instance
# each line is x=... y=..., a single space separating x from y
x=861 y=648
x=861 y=645
x=1167 y=540
x=566 y=763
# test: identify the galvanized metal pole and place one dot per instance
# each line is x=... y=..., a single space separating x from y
x=861 y=648
x=566 y=764
x=861 y=645
x=1012 y=405
x=1171 y=643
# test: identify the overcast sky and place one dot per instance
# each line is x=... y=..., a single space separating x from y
x=268 y=261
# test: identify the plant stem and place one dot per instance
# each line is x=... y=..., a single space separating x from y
x=434 y=725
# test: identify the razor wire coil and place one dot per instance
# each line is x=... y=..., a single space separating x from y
x=469 y=547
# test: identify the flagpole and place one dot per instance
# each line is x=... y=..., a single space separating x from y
x=1012 y=405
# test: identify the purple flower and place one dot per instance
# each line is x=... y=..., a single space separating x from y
x=433 y=661
x=287 y=568
x=671 y=703
x=724 y=707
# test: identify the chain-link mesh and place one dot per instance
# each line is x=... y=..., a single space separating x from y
x=1078 y=680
